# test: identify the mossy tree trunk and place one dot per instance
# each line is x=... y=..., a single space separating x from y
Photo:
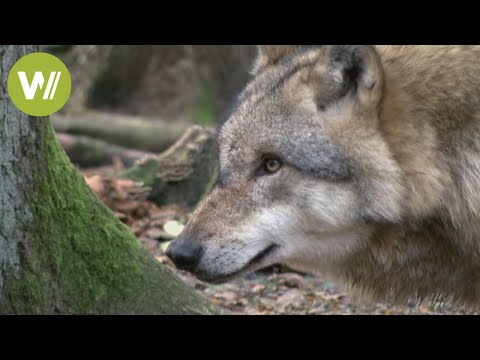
x=62 y=251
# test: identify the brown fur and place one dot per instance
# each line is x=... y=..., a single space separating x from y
x=380 y=186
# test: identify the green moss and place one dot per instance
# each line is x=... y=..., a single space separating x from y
x=83 y=260
x=146 y=172
x=27 y=288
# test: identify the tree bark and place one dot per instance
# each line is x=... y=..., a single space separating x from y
x=62 y=251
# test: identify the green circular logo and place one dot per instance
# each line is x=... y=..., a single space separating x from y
x=39 y=84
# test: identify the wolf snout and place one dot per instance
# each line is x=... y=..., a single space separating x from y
x=185 y=253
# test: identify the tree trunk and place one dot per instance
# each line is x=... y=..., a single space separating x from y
x=61 y=250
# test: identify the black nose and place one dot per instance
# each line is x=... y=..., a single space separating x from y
x=185 y=253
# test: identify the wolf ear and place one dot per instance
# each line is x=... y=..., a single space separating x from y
x=347 y=69
x=270 y=54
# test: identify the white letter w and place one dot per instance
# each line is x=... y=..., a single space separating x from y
x=38 y=80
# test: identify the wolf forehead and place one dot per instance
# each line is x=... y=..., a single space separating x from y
x=264 y=123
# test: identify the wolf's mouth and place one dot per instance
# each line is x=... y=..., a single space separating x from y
x=261 y=255
x=252 y=265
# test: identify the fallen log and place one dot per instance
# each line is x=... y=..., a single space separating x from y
x=89 y=152
x=184 y=173
x=128 y=131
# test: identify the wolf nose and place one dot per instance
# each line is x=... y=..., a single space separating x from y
x=185 y=253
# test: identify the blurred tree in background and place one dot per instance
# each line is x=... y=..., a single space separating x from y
x=173 y=82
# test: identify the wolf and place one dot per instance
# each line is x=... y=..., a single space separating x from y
x=357 y=162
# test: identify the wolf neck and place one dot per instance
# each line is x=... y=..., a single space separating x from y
x=414 y=142
x=422 y=261
x=434 y=136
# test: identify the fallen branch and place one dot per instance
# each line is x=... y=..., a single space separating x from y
x=88 y=152
x=132 y=132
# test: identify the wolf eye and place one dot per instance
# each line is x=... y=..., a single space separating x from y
x=272 y=165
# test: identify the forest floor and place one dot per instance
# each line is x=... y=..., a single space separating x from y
x=274 y=291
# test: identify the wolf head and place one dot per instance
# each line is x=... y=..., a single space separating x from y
x=305 y=174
